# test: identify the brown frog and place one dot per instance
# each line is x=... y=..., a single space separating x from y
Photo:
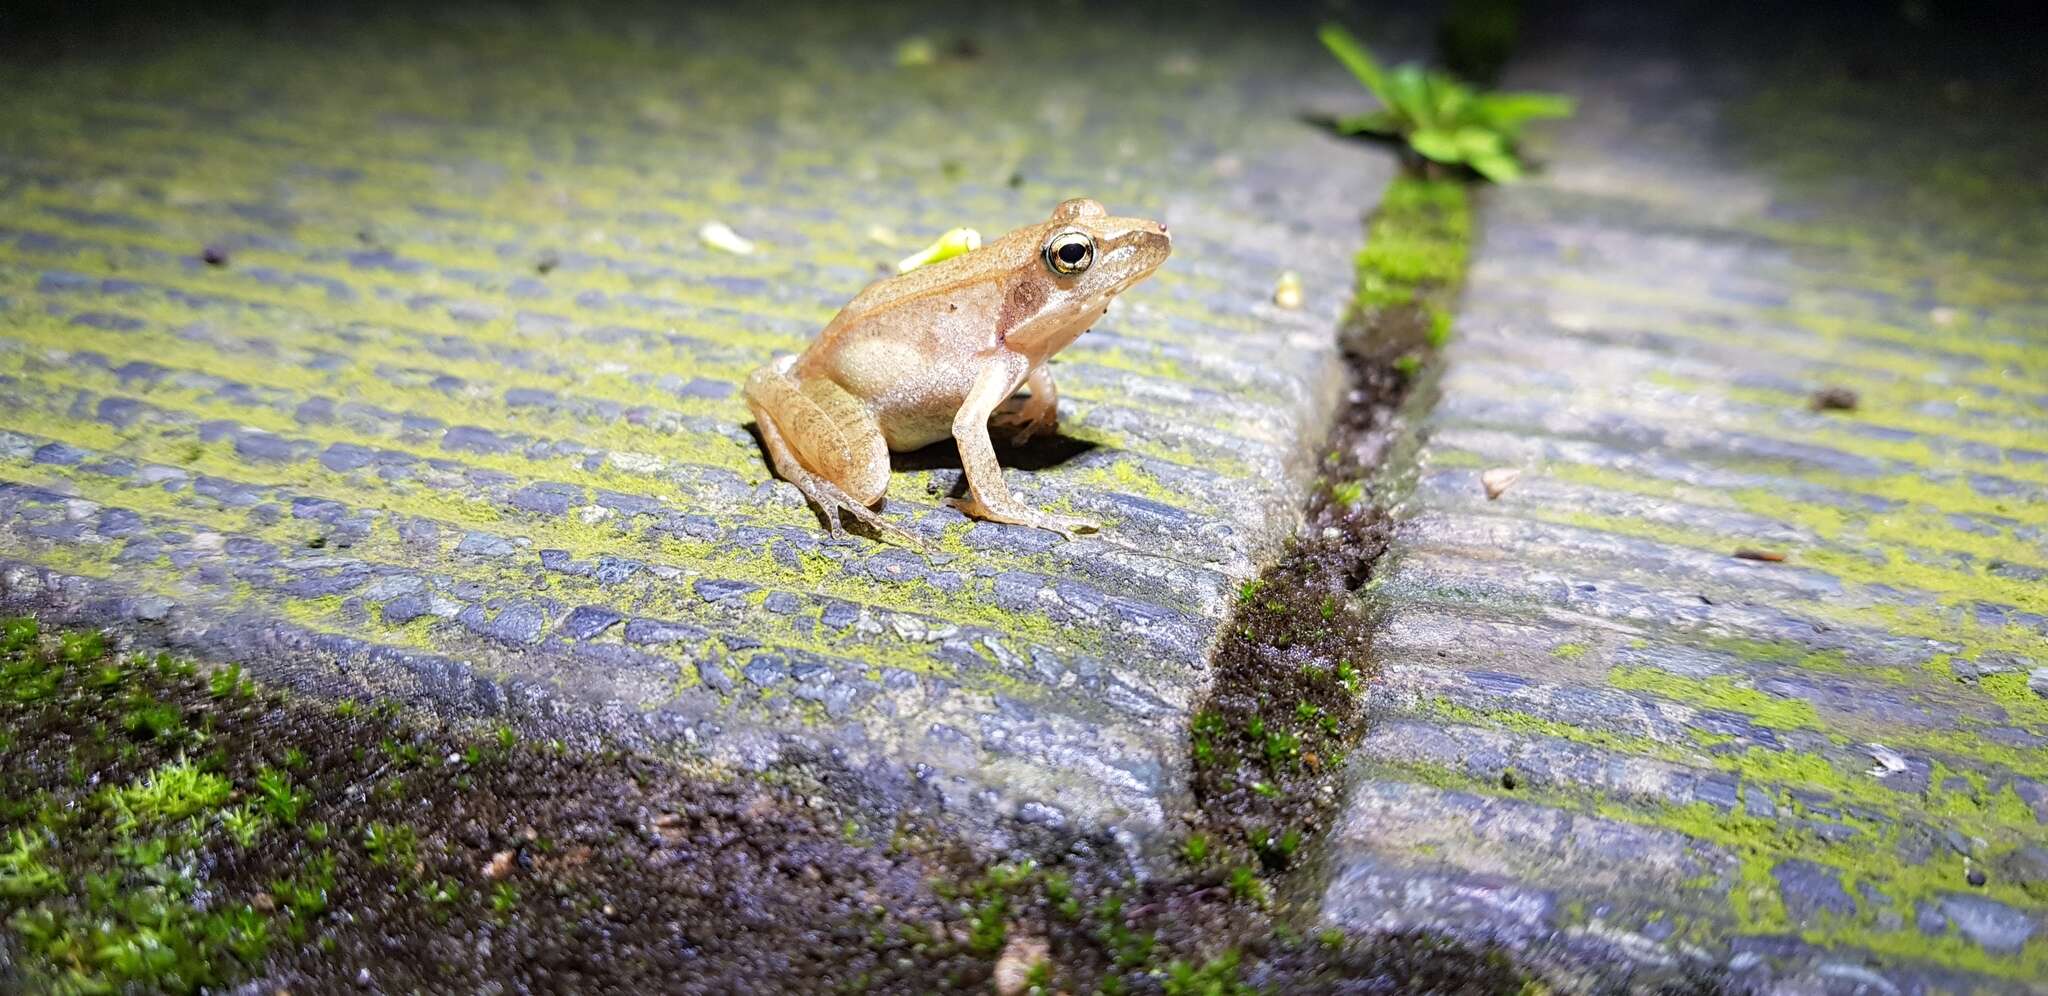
x=933 y=353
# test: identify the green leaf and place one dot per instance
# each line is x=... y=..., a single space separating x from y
x=1475 y=143
x=1453 y=99
x=1373 y=122
x=1502 y=168
x=1409 y=86
x=1352 y=53
x=1437 y=144
x=1509 y=111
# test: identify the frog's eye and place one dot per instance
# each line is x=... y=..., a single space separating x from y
x=1069 y=252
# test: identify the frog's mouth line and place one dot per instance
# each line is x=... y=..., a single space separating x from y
x=1125 y=249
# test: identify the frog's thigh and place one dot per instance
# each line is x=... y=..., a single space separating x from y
x=836 y=437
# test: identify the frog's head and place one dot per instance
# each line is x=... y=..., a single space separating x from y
x=1084 y=258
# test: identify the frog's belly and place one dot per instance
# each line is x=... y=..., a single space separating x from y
x=911 y=430
x=912 y=396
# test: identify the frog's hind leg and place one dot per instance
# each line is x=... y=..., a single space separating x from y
x=824 y=441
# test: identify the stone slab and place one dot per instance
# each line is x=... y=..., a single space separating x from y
x=456 y=419
x=1599 y=737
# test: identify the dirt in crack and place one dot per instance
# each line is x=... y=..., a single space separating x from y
x=1286 y=702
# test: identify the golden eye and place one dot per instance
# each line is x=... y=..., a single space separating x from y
x=1069 y=252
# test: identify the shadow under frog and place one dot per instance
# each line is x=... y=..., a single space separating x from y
x=941 y=352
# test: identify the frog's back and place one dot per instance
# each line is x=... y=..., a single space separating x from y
x=941 y=281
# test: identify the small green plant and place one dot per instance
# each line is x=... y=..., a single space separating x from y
x=243 y=824
x=18 y=634
x=1445 y=121
x=280 y=799
x=171 y=792
x=441 y=891
x=1245 y=884
x=1274 y=850
x=990 y=927
x=1011 y=874
x=1218 y=977
x=225 y=681
x=305 y=894
x=148 y=719
x=81 y=647
x=1347 y=676
x=1282 y=750
x=23 y=875
x=388 y=845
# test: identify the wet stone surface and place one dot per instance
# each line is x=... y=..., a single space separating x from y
x=1598 y=734
x=449 y=409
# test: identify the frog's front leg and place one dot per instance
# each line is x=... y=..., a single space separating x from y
x=990 y=497
x=824 y=441
x=1038 y=413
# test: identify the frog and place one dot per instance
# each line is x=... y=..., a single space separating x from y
x=943 y=351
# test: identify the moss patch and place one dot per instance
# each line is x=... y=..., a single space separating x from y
x=1285 y=703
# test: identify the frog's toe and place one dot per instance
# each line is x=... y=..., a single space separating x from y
x=1020 y=429
x=1025 y=433
x=883 y=526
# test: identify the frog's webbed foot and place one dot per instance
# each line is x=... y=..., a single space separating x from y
x=1035 y=414
x=832 y=500
x=1024 y=515
x=770 y=387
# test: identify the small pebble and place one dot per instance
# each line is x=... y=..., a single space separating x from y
x=499 y=866
x=719 y=235
x=1497 y=480
x=1013 y=966
x=1767 y=556
x=214 y=256
x=1975 y=877
x=1287 y=292
x=1833 y=399
x=363 y=977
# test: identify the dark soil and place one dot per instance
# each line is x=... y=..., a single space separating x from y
x=168 y=830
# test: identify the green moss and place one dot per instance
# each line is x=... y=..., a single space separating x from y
x=2020 y=701
x=169 y=793
x=1415 y=251
x=1717 y=692
x=1127 y=477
